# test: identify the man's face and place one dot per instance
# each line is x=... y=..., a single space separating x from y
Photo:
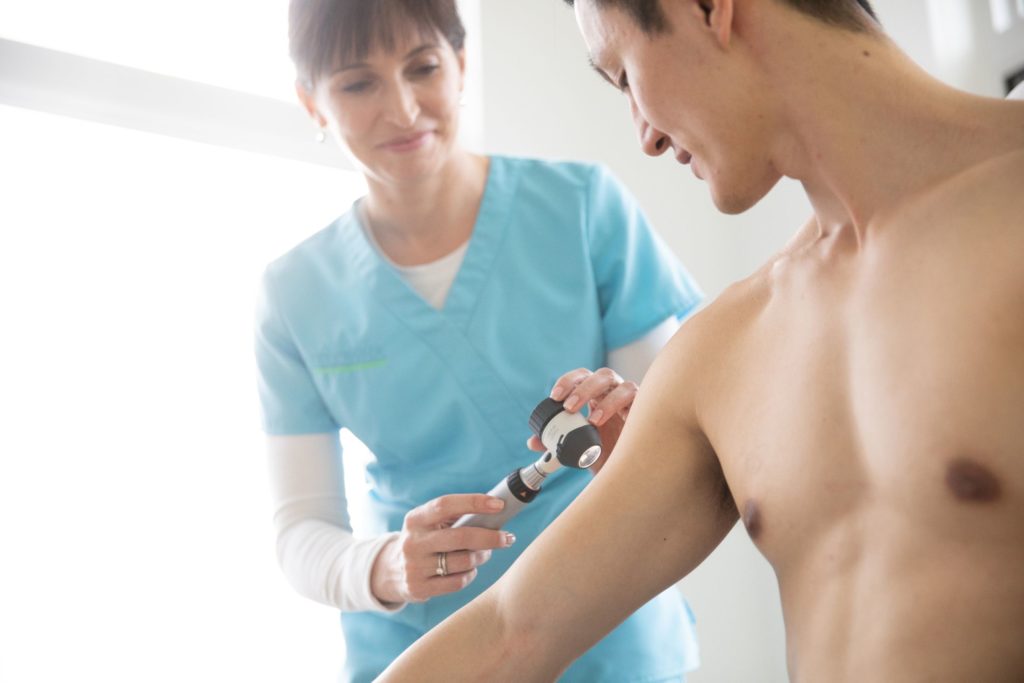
x=688 y=94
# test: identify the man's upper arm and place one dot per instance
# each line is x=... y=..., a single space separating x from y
x=656 y=510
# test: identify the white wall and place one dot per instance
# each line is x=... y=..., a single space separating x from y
x=956 y=41
x=540 y=98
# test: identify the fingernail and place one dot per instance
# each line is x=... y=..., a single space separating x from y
x=510 y=538
x=596 y=416
x=494 y=503
x=557 y=393
x=572 y=402
x=483 y=556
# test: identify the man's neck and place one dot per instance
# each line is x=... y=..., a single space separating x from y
x=865 y=127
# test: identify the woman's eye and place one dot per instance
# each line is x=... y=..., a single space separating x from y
x=358 y=86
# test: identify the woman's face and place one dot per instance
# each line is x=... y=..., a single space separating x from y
x=395 y=112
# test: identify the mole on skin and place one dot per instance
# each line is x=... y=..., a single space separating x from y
x=752 y=519
x=971 y=482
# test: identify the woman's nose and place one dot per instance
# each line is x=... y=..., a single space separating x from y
x=402 y=106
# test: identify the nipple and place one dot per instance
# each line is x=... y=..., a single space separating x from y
x=971 y=482
x=752 y=519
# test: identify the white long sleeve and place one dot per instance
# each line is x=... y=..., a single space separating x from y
x=632 y=360
x=316 y=549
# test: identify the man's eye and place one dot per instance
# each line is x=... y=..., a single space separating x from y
x=425 y=69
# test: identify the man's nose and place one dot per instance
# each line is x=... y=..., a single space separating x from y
x=652 y=141
x=402 y=106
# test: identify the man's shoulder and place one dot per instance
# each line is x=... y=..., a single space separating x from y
x=687 y=374
x=999 y=169
x=709 y=337
x=988 y=192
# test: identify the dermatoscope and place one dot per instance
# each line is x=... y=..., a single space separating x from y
x=569 y=441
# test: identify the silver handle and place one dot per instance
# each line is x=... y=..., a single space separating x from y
x=497 y=520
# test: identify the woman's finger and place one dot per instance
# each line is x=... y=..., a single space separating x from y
x=567 y=382
x=457 y=562
x=467 y=538
x=592 y=388
x=618 y=401
x=444 y=510
x=441 y=585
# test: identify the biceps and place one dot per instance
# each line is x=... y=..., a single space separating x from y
x=652 y=515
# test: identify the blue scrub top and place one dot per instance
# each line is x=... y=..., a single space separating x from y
x=561 y=267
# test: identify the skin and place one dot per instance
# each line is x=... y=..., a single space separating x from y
x=856 y=402
x=396 y=114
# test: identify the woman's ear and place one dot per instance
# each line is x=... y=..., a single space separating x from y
x=308 y=101
x=460 y=55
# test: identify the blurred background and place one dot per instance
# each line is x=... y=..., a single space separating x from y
x=152 y=161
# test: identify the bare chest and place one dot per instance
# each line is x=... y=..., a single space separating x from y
x=893 y=393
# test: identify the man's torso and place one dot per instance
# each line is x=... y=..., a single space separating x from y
x=870 y=425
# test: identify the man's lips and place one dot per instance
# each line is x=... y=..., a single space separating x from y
x=683 y=157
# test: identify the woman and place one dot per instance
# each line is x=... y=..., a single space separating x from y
x=429 y=320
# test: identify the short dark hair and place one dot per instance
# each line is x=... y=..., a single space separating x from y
x=323 y=33
x=651 y=18
x=647 y=14
x=847 y=14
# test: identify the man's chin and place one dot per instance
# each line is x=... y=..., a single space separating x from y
x=733 y=201
x=732 y=204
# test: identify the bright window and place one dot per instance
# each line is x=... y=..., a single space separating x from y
x=133 y=488
x=1002 y=14
x=238 y=44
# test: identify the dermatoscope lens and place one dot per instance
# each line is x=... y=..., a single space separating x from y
x=590 y=456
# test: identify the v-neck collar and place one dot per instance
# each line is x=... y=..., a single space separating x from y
x=386 y=284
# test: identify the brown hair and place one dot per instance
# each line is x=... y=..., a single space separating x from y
x=848 y=14
x=323 y=33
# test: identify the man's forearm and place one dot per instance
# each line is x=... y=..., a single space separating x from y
x=479 y=642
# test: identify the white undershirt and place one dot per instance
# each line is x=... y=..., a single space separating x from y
x=432 y=281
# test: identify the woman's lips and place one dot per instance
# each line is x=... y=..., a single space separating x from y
x=407 y=143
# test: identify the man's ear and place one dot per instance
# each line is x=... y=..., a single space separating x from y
x=718 y=17
x=308 y=100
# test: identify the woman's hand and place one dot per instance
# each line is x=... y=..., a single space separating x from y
x=429 y=558
x=609 y=398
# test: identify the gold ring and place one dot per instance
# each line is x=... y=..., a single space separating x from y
x=442 y=564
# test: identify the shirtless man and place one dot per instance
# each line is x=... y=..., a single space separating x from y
x=858 y=402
